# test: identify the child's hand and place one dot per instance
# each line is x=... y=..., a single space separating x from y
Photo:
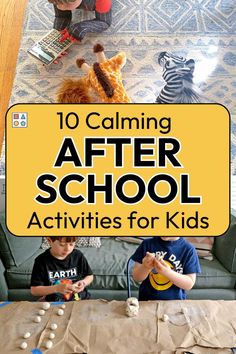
x=66 y=35
x=148 y=260
x=78 y=286
x=161 y=266
x=63 y=288
x=59 y=57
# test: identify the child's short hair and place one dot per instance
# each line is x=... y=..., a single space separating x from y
x=67 y=238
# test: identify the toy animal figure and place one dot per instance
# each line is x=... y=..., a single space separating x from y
x=103 y=78
x=178 y=75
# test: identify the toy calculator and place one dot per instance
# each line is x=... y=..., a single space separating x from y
x=48 y=48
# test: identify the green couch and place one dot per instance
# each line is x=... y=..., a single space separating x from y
x=217 y=280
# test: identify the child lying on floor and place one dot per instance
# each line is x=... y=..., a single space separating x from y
x=76 y=31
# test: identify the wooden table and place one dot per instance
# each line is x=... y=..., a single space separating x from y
x=98 y=326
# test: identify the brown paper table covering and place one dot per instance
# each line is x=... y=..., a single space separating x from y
x=98 y=326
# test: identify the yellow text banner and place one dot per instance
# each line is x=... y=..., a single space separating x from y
x=112 y=170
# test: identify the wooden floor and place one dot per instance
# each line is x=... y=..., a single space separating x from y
x=11 y=24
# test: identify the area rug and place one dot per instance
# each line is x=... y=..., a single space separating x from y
x=204 y=30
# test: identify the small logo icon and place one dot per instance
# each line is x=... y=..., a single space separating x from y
x=19 y=120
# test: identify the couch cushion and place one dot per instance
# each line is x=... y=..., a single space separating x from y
x=89 y=241
x=214 y=275
x=203 y=246
x=211 y=294
x=19 y=277
x=16 y=250
x=107 y=262
x=109 y=266
x=225 y=246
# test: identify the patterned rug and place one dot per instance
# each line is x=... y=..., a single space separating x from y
x=204 y=30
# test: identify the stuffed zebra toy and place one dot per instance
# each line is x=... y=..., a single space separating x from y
x=178 y=75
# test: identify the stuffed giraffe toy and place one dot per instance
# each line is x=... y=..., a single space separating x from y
x=103 y=78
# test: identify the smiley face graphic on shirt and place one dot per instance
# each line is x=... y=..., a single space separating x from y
x=160 y=282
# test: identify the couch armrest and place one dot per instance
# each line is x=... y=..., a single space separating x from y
x=225 y=247
x=3 y=284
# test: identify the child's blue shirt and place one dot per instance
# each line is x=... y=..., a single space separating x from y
x=180 y=255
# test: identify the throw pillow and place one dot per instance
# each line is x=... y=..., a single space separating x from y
x=203 y=246
x=88 y=242
x=81 y=242
x=131 y=239
x=16 y=250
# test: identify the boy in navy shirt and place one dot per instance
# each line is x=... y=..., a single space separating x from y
x=168 y=277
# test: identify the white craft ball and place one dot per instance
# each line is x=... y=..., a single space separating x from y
x=46 y=305
x=132 y=301
x=37 y=319
x=132 y=311
x=41 y=312
x=23 y=345
x=53 y=326
x=27 y=335
x=165 y=317
x=60 y=312
x=51 y=335
x=63 y=306
x=49 y=344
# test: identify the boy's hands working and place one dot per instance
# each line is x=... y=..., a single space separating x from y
x=64 y=288
x=148 y=260
x=161 y=266
x=79 y=286
x=141 y=271
x=183 y=281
